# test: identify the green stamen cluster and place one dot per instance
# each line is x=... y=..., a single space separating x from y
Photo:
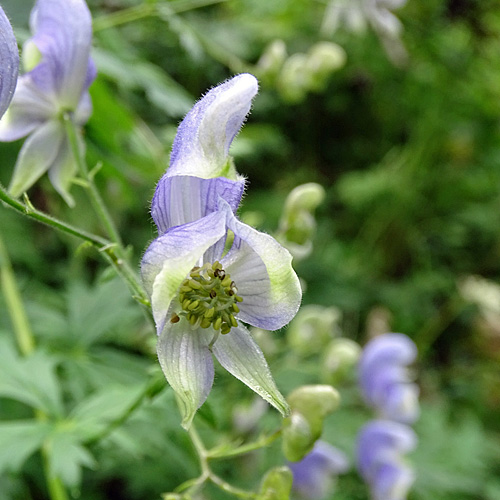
x=208 y=297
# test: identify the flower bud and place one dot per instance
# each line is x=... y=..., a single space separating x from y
x=340 y=360
x=292 y=81
x=314 y=402
x=276 y=485
x=323 y=59
x=271 y=61
x=313 y=328
x=297 y=437
x=297 y=224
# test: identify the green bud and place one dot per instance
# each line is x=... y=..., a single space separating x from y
x=298 y=439
x=297 y=224
x=271 y=61
x=323 y=59
x=314 y=402
x=305 y=197
x=313 y=328
x=340 y=360
x=276 y=484
x=292 y=81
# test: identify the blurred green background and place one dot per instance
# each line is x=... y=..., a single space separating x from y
x=404 y=135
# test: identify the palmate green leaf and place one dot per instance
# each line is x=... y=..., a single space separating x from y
x=67 y=457
x=93 y=415
x=18 y=440
x=30 y=380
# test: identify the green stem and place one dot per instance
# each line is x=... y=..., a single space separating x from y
x=206 y=473
x=115 y=252
x=26 y=343
x=262 y=442
x=22 y=328
x=95 y=197
x=33 y=213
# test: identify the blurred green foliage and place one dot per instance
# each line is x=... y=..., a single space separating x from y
x=409 y=156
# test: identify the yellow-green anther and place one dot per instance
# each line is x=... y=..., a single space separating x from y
x=208 y=298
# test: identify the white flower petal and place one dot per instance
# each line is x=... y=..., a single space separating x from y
x=9 y=55
x=36 y=156
x=187 y=364
x=262 y=271
x=63 y=170
x=28 y=110
x=240 y=355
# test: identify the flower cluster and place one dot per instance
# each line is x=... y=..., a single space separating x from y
x=206 y=273
x=384 y=377
x=59 y=72
x=9 y=62
x=386 y=386
x=381 y=445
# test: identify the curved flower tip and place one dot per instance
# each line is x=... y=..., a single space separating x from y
x=201 y=146
x=384 y=377
x=314 y=475
x=380 y=449
x=60 y=72
x=9 y=62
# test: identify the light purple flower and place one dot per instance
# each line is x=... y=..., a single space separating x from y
x=9 y=62
x=60 y=71
x=315 y=474
x=207 y=272
x=384 y=377
x=380 y=450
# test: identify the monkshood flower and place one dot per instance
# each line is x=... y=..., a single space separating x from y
x=314 y=476
x=380 y=448
x=59 y=74
x=207 y=272
x=9 y=62
x=384 y=377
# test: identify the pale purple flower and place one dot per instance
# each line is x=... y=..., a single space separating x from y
x=9 y=62
x=59 y=74
x=207 y=272
x=380 y=449
x=314 y=476
x=384 y=377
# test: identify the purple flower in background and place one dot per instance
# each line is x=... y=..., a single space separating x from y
x=314 y=476
x=381 y=444
x=384 y=378
x=60 y=71
x=207 y=271
x=9 y=62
